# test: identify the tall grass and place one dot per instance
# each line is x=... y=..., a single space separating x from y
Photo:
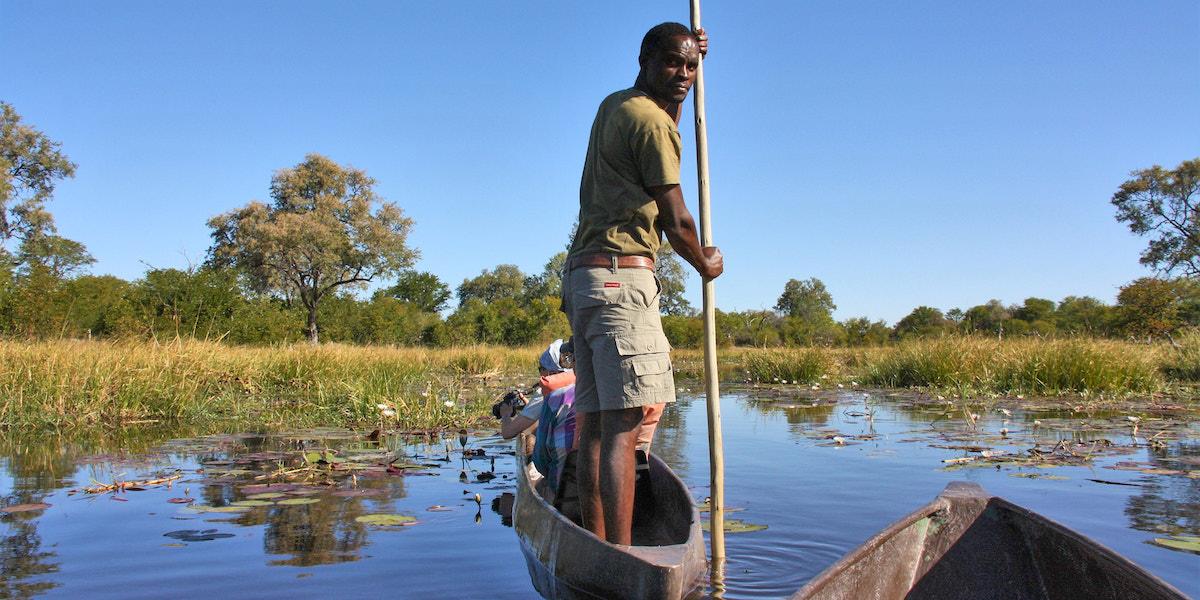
x=984 y=366
x=1181 y=362
x=63 y=384
x=799 y=365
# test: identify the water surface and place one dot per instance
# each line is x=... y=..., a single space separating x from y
x=822 y=470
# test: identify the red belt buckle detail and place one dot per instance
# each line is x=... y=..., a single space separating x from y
x=607 y=285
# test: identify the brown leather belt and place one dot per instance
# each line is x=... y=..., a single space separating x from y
x=620 y=261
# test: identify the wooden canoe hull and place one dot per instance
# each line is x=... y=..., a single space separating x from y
x=968 y=544
x=568 y=562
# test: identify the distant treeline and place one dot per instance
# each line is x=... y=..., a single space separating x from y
x=505 y=306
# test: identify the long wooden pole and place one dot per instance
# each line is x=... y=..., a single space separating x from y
x=716 y=456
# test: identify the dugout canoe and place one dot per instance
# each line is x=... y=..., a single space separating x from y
x=968 y=544
x=566 y=561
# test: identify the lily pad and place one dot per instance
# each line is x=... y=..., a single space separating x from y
x=217 y=509
x=734 y=526
x=1185 y=543
x=386 y=520
x=195 y=535
x=253 y=503
x=181 y=500
x=294 y=501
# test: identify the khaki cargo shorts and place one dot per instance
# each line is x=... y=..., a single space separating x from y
x=622 y=357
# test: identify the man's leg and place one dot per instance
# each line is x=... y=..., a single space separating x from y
x=587 y=471
x=618 y=464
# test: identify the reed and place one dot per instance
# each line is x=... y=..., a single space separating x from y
x=1181 y=362
x=984 y=366
x=799 y=365
x=64 y=384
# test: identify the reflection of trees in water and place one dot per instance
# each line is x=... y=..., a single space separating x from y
x=1168 y=503
x=670 y=439
x=22 y=561
x=325 y=532
x=316 y=534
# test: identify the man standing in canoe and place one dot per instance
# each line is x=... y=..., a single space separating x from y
x=629 y=198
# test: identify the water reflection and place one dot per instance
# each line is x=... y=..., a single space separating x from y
x=295 y=501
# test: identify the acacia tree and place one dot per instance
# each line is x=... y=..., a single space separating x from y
x=30 y=163
x=318 y=234
x=807 y=300
x=1163 y=204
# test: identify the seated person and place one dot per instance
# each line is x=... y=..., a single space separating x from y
x=552 y=411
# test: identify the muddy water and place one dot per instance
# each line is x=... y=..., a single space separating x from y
x=322 y=514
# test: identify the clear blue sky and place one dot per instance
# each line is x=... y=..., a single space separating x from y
x=904 y=153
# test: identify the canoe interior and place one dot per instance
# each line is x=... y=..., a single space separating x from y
x=566 y=561
x=967 y=544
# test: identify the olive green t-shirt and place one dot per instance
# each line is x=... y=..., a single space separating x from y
x=634 y=144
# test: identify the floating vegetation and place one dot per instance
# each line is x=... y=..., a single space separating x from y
x=734 y=526
x=1186 y=543
x=195 y=535
x=384 y=520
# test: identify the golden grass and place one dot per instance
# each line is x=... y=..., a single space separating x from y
x=64 y=384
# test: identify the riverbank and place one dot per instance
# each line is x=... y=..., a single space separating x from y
x=73 y=384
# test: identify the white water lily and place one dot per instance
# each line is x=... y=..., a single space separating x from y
x=839 y=439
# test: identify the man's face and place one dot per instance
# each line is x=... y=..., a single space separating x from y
x=669 y=74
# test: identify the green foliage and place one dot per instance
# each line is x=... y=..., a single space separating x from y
x=506 y=282
x=758 y=328
x=504 y=322
x=923 y=321
x=1150 y=307
x=683 y=332
x=30 y=164
x=423 y=290
x=672 y=280
x=1084 y=316
x=549 y=283
x=806 y=300
x=988 y=319
x=861 y=331
x=318 y=235
x=1163 y=204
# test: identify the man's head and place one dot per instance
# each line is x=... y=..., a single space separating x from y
x=669 y=58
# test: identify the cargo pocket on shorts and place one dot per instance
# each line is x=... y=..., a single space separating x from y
x=647 y=362
x=594 y=297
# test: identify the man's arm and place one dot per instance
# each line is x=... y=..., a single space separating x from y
x=677 y=224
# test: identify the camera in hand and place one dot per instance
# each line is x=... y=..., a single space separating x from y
x=514 y=399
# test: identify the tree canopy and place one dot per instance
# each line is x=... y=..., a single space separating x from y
x=806 y=300
x=324 y=229
x=31 y=164
x=424 y=290
x=1162 y=205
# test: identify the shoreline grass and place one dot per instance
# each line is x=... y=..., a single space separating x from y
x=80 y=384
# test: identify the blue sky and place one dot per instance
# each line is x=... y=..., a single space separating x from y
x=905 y=154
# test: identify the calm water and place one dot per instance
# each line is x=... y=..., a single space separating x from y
x=822 y=479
